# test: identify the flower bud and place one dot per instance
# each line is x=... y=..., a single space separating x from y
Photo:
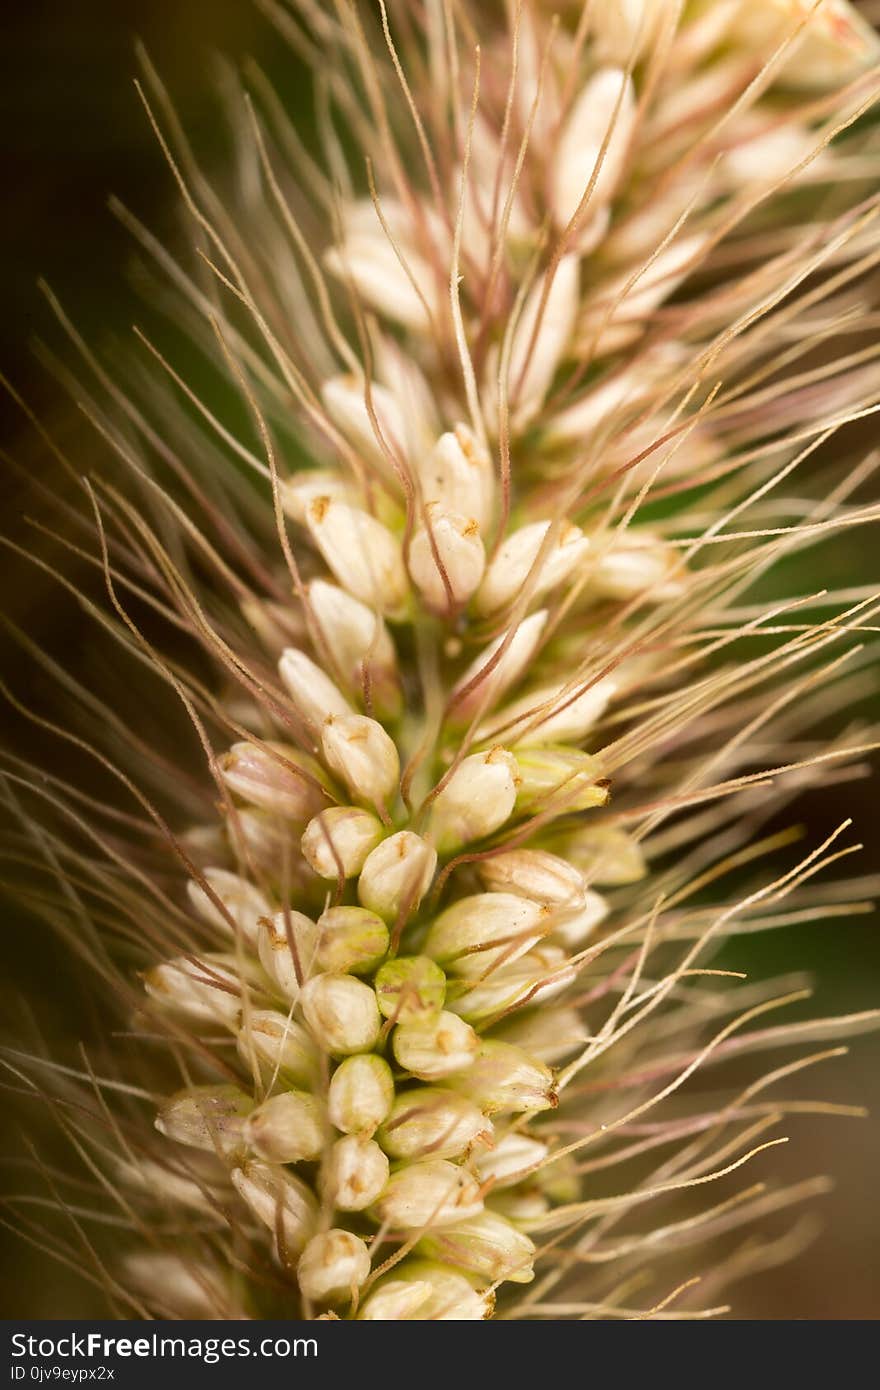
x=203 y=988
x=370 y=261
x=338 y=840
x=552 y=714
x=511 y=567
x=361 y=1094
x=361 y=552
x=280 y=1201
x=486 y=1246
x=332 y=1267
x=603 y=114
x=359 y=643
x=351 y=940
x=426 y=1194
x=206 y=1117
x=537 y=976
x=435 y=1049
x=541 y=338
x=271 y=843
x=363 y=755
x=513 y=1158
x=636 y=564
x=286 y=947
x=275 y=777
x=355 y=1173
x=477 y=799
x=623 y=29
x=605 y=855
x=506 y=671
x=310 y=688
x=345 y=400
x=410 y=989
x=521 y=1204
x=573 y=932
x=453 y=574
x=432 y=1123
x=192 y=1287
x=288 y=1128
x=547 y=1035
x=535 y=874
x=459 y=475
x=504 y=1080
x=278 y=1046
x=419 y=1291
x=341 y=1013
x=561 y=780
x=244 y=903
x=397 y=874
x=485 y=930
x=299 y=492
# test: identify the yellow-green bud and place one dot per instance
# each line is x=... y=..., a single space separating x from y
x=350 y=940
x=281 y=1202
x=485 y=930
x=537 y=976
x=486 y=1246
x=429 y=1122
x=435 y=1049
x=561 y=780
x=397 y=874
x=333 y=1266
x=410 y=989
x=287 y=1128
x=206 y=1117
x=355 y=1173
x=505 y=1080
x=339 y=839
x=477 y=799
x=431 y=1193
x=418 y=1290
x=361 y=1093
x=341 y=1012
x=278 y=1045
x=605 y=855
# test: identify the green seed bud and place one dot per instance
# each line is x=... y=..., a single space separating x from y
x=287 y=1128
x=486 y=930
x=397 y=875
x=361 y=1094
x=350 y=940
x=206 y=1117
x=605 y=855
x=332 y=1267
x=410 y=989
x=539 y=975
x=558 y=779
x=355 y=1173
x=435 y=1049
x=429 y=1122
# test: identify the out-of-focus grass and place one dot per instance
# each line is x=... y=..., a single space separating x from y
x=72 y=130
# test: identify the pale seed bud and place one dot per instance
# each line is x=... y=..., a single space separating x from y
x=369 y=261
x=535 y=356
x=351 y=940
x=333 y=1266
x=431 y=1193
x=397 y=874
x=504 y=1080
x=345 y=400
x=278 y=1045
x=206 y=1117
x=536 y=874
x=485 y=929
x=604 y=113
x=361 y=1094
x=275 y=777
x=341 y=1013
x=521 y=1204
x=362 y=553
x=486 y=1246
x=272 y=843
x=310 y=688
x=511 y=1160
x=506 y=671
x=190 y=1286
x=201 y=987
x=359 y=643
x=287 y=1128
x=410 y=989
x=299 y=492
x=432 y=1123
x=278 y=1199
x=622 y=29
x=287 y=964
x=419 y=1291
x=562 y=780
x=553 y=714
x=547 y=1035
x=435 y=1049
x=575 y=931
x=453 y=574
x=338 y=840
x=605 y=855
x=244 y=903
x=477 y=799
x=536 y=977
x=509 y=571
x=636 y=564
x=363 y=755
x=459 y=475
x=355 y=1173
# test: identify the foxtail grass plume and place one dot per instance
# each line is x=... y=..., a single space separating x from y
x=456 y=549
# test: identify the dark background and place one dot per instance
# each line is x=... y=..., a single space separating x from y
x=71 y=131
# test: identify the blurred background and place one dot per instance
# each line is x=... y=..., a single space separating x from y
x=73 y=131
